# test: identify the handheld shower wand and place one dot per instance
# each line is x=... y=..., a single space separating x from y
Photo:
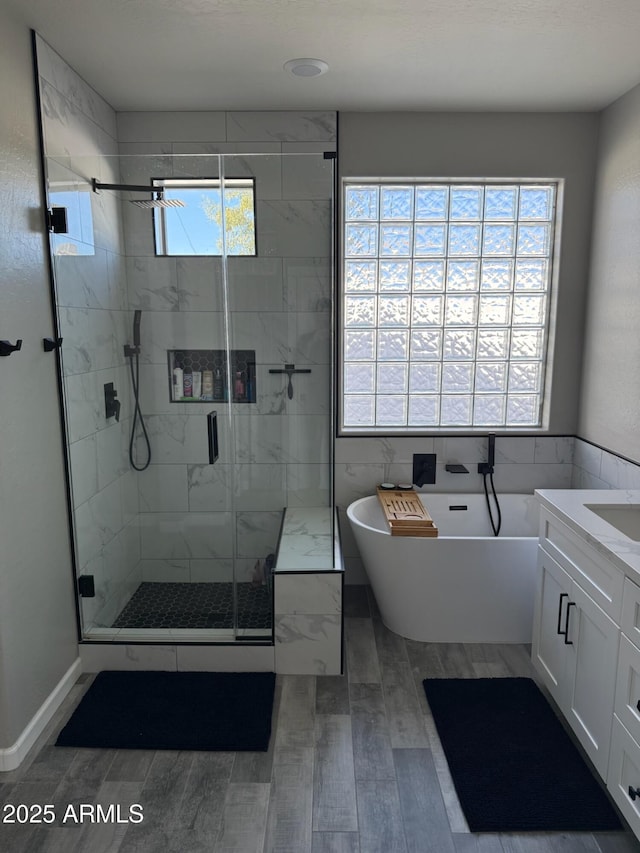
x=133 y=352
x=137 y=316
x=486 y=469
x=488 y=466
x=135 y=349
x=491 y=450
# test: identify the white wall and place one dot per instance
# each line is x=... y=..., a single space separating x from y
x=610 y=401
x=37 y=620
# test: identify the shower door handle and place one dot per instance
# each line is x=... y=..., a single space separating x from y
x=212 y=436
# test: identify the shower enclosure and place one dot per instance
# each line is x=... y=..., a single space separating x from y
x=193 y=298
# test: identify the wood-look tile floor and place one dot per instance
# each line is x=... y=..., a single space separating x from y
x=354 y=766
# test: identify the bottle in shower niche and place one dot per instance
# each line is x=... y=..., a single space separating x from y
x=238 y=387
x=207 y=384
x=218 y=385
x=197 y=384
x=188 y=385
x=178 y=383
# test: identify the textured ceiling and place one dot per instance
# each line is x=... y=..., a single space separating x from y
x=383 y=54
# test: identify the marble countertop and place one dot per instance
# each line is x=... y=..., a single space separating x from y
x=569 y=506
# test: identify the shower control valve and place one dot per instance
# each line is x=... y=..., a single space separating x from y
x=424 y=469
x=111 y=402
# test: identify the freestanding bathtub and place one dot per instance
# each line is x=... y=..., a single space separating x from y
x=464 y=586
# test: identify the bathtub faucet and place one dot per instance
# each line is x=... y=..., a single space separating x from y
x=487 y=467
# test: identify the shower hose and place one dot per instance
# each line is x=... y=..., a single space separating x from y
x=137 y=413
x=495 y=525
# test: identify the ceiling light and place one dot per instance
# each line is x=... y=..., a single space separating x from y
x=306 y=67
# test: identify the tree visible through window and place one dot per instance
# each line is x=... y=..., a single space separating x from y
x=214 y=220
x=446 y=291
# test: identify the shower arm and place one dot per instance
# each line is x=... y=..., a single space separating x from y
x=158 y=199
x=132 y=188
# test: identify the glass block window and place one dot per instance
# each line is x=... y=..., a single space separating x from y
x=212 y=220
x=446 y=298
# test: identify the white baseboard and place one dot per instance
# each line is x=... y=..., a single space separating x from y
x=13 y=756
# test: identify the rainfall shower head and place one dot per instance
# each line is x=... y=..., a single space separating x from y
x=158 y=199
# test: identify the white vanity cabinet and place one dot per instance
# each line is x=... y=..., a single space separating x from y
x=586 y=632
x=575 y=649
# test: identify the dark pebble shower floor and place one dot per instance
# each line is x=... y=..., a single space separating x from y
x=196 y=605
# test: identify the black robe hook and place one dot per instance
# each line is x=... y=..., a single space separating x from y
x=6 y=347
x=51 y=344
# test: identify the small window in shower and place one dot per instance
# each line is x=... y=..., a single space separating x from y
x=215 y=217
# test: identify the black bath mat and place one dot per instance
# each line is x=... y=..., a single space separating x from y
x=174 y=710
x=513 y=765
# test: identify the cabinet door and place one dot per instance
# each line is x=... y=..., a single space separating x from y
x=591 y=670
x=627 y=701
x=623 y=779
x=549 y=651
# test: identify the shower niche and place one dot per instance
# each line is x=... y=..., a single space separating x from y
x=199 y=376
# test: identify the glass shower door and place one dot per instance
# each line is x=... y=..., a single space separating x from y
x=279 y=310
x=152 y=508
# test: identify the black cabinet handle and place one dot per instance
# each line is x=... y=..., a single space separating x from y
x=562 y=595
x=638 y=704
x=634 y=792
x=6 y=347
x=567 y=641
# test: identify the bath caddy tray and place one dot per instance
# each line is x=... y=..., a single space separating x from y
x=405 y=513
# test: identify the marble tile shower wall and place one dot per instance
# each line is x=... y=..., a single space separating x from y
x=278 y=451
x=79 y=131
